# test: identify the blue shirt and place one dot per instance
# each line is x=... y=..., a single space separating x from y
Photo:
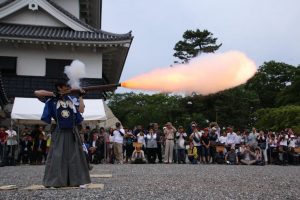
x=63 y=110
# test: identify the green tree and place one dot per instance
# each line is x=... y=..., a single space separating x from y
x=291 y=94
x=195 y=43
x=271 y=78
x=232 y=107
x=277 y=119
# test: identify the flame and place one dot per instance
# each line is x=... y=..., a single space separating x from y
x=204 y=75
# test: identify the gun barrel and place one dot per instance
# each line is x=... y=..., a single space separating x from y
x=101 y=88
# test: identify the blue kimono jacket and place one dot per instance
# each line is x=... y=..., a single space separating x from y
x=63 y=110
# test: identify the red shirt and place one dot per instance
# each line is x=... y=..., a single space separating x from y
x=3 y=136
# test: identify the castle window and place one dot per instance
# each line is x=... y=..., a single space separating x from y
x=8 y=65
x=55 y=67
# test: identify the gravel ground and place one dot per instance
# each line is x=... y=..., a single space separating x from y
x=166 y=181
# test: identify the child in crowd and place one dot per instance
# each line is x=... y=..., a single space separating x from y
x=138 y=156
x=192 y=153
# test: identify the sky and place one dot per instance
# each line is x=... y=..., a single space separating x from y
x=263 y=29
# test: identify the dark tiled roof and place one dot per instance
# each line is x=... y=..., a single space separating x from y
x=6 y=3
x=97 y=31
x=57 y=33
x=62 y=10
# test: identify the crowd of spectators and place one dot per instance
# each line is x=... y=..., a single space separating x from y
x=195 y=145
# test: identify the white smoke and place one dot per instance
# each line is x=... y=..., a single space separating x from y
x=75 y=72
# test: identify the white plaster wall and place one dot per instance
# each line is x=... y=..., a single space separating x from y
x=32 y=61
x=72 y=6
x=29 y=17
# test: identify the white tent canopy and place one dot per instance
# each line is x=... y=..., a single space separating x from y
x=29 y=110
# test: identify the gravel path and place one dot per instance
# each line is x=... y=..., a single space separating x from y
x=166 y=181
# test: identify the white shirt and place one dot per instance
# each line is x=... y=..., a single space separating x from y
x=181 y=140
x=231 y=138
x=10 y=139
x=283 y=142
x=94 y=143
x=223 y=139
x=141 y=139
x=292 y=143
x=238 y=139
x=111 y=138
x=118 y=138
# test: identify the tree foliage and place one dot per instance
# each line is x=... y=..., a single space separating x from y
x=231 y=107
x=291 y=94
x=195 y=43
x=277 y=119
x=271 y=79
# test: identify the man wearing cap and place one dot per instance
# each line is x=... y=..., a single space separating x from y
x=169 y=133
x=180 y=144
x=195 y=137
x=213 y=138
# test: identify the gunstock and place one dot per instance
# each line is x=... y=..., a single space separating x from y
x=101 y=88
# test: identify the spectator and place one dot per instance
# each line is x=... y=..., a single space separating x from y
x=272 y=150
x=3 y=139
x=11 y=146
x=195 y=137
x=110 y=156
x=231 y=138
x=238 y=139
x=254 y=132
x=292 y=142
x=180 y=144
x=129 y=138
x=283 y=148
x=223 y=138
x=262 y=144
x=169 y=133
x=248 y=156
x=160 y=139
x=138 y=129
x=258 y=157
x=35 y=132
x=192 y=153
x=141 y=139
x=39 y=149
x=231 y=157
x=213 y=138
x=26 y=149
x=94 y=149
x=205 y=143
x=151 y=146
x=87 y=133
x=240 y=152
x=251 y=139
x=138 y=155
x=118 y=142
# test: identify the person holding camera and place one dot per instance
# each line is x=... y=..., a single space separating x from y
x=118 y=134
